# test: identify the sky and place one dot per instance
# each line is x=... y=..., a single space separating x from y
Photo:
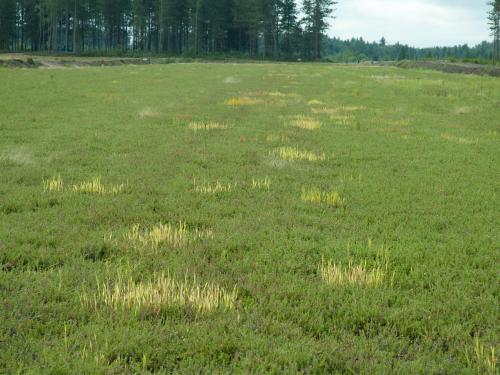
x=419 y=23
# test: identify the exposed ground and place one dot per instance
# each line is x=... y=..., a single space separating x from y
x=450 y=67
x=249 y=218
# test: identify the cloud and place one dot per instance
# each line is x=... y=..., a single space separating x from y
x=422 y=23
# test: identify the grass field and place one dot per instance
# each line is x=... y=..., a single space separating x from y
x=249 y=218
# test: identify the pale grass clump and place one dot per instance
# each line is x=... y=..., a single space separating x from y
x=324 y=110
x=345 y=120
x=282 y=95
x=315 y=195
x=493 y=133
x=148 y=113
x=95 y=186
x=398 y=123
x=304 y=122
x=484 y=360
x=337 y=275
x=275 y=138
x=173 y=235
x=462 y=110
x=18 y=156
x=217 y=187
x=314 y=102
x=387 y=77
x=207 y=126
x=160 y=293
x=462 y=140
x=264 y=183
x=352 y=108
x=55 y=184
x=242 y=101
x=293 y=153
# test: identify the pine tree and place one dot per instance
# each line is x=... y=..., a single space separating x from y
x=494 y=22
x=315 y=22
x=288 y=26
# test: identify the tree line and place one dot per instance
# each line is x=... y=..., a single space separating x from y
x=268 y=28
x=357 y=49
x=278 y=29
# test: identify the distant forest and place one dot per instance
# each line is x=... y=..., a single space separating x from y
x=355 y=50
x=271 y=29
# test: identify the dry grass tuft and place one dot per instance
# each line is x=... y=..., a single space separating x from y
x=352 y=108
x=264 y=183
x=304 y=122
x=282 y=95
x=315 y=195
x=337 y=275
x=162 y=292
x=55 y=184
x=277 y=138
x=207 y=126
x=293 y=153
x=315 y=102
x=485 y=361
x=242 y=101
x=173 y=235
x=345 y=120
x=95 y=186
x=324 y=110
x=217 y=187
x=462 y=140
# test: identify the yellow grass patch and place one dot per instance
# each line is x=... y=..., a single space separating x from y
x=173 y=235
x=345 y=120
x=337 y=275
x=282 y=95
x=272 y=94
x=315 y=195
x=275 y=138
x=207 y=126
x=162 y=292
x=352 y=108
x=242 y=101
x=485 y=360
x=315 y=102
x=462 y=140
x=95 y=186
x=55 y=184
x=324 y=110
x=304 y=122
x=293 y=153
x=214 y=188
x=263 y=183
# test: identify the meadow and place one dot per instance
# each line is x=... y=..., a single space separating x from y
x=249 y=218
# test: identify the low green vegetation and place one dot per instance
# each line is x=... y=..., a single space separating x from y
x=249 y=218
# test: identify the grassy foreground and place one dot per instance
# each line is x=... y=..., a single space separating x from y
x=249 y=218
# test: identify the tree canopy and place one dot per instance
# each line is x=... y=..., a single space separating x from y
x=270 y=28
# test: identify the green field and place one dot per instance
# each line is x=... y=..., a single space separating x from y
x=249 y=218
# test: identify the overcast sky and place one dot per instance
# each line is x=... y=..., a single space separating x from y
x=419 y=23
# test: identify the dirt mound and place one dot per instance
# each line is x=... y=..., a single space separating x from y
x=449 y=67
x=44 y=62
x=20 y=63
